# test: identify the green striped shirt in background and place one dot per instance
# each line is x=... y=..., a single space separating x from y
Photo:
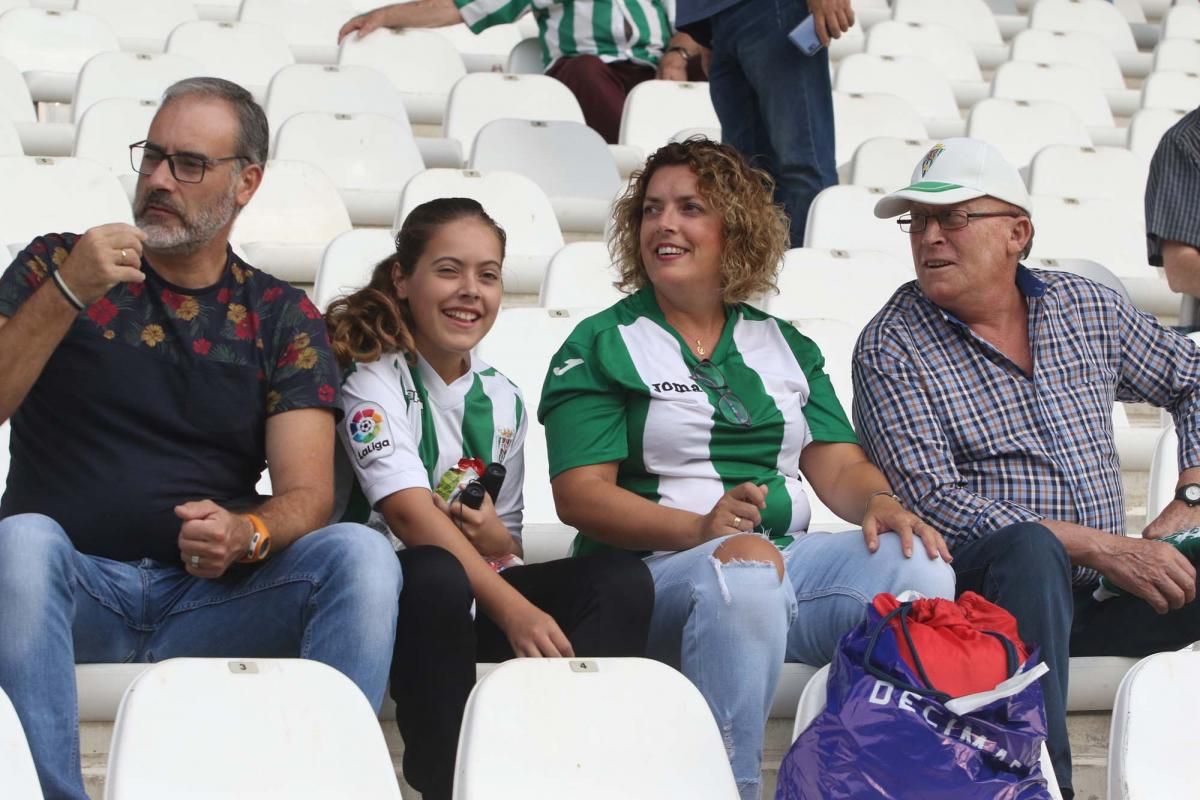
x=614 y=30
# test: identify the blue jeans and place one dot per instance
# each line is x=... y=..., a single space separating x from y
x=775 y=103
x=331 y=596
x=729 y=627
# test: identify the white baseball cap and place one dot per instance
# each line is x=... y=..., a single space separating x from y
x=954 y=171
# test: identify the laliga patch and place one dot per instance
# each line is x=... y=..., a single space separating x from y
x=369 y=435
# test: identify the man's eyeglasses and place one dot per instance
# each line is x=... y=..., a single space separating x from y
x=185 y=167
x=949 y=220
x=709 y=375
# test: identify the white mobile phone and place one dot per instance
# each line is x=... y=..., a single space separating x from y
x=804 y=36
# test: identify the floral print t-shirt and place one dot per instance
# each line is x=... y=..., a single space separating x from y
x=156 y=396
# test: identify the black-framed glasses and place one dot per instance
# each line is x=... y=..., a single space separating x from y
x=709 y=375
x=185 y=167
x=950 y=220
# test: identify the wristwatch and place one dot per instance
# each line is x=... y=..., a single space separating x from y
x=687 y=57
x=1189 y=493
x=260 y=542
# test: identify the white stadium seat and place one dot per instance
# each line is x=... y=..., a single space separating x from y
x=10 y=140
x=887 y=162
x=15 y=103
x=479 y=98
x=514 y=201
x=913 y=79
x=1060 y=83
x=310 y=26
x=1110 y=172
x=1182 y=22
x=860 y=116
x=303 y=730
x=1147 y=127
x=521 y=345
x=848 y=285
x=141 y=27
x=294 y=214
x=139 y=76
x=421 y=64
x=580 y=275
x=526 y=58
x=1081 y=48
x=940 y=45
x=1020 y=128
x=486 y=51
x=369 y=157
x=348 y=261
x=1178 y=90
x=569 y=160
x=1107 y=232
x=972 y=19
x=18 y=777
x=573 y=720
x=50 y=47
x=843 y=218
x=1177 y=55
x=1164 y=472
x=247 y=53
x=1157 y=695
x=50 y=195
x=107 y=129
x=1092 y=270
x=334 y=89
x=1091 y=16
x=657 y=110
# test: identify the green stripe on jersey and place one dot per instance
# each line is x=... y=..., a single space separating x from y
x=602 y=19
x=566 y=30
x=479 y=424
x=427 y=447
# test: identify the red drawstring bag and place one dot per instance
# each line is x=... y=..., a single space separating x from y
x=958 y=645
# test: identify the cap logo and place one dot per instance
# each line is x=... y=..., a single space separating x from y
x=930 y=157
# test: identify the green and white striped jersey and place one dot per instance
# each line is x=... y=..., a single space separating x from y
x=614 y=30
x=621 y=389
x=403 y=428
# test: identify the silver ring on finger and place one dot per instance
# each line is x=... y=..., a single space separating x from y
x=124 y=255
x=195 y=561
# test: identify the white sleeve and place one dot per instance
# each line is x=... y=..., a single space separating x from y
x=510 y=505
x=376 y=434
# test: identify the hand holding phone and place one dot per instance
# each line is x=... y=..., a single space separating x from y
x=804 y=36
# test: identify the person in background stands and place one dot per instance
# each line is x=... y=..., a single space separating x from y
x=1173 y=213
x=600 y=49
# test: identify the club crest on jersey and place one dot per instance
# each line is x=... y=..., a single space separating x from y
x=368 y=430
x=504 y=440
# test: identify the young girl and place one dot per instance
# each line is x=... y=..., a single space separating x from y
x=417 y=402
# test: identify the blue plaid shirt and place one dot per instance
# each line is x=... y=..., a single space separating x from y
x=972 y=444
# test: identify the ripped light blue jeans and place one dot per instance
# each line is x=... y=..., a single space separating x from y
x=730 y=626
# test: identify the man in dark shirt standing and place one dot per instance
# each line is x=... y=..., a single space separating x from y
x=148 y=373
x=1173 y=213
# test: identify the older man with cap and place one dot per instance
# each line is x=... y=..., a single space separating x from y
x=984 y=390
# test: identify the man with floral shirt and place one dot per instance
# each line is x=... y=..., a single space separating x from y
x=149 y=373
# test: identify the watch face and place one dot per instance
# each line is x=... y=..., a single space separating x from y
x=1191 y=494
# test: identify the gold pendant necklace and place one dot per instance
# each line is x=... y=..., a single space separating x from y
x=700 y=349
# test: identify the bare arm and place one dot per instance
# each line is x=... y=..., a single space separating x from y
x=412 y=516
x=589 y=499
x=300 y=456
x=418 y=14
x=1182 y=264
x=29 y=338
x=854 y=488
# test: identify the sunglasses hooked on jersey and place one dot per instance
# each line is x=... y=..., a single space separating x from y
x=709 y=375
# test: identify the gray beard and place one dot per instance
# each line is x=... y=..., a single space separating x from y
x=188 y=235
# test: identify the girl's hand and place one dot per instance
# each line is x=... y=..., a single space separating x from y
x=532 y=632
x=481 y=526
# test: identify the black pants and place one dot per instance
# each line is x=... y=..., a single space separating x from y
x=1024 y=569
x=601 y=602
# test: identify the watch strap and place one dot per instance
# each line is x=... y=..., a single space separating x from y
x=260 y=541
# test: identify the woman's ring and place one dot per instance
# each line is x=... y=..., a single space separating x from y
x=737 y=522
x=123 y=256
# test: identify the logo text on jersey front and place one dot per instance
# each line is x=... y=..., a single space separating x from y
x=672 y=386
x=568 y=365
